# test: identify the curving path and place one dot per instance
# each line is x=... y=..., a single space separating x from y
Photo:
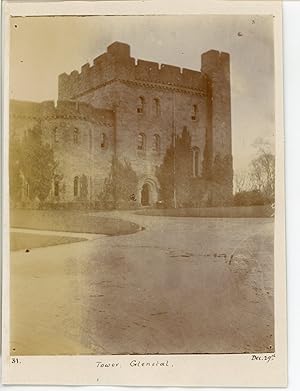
x=182 y=285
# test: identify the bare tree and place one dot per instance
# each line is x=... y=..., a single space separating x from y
x=256 y=186
x=241 y=181
x=262 y=171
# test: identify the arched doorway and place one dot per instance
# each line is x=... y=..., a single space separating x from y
x=147 y=191
x=145 y=195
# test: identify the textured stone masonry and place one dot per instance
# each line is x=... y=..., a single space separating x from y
x=123 y=98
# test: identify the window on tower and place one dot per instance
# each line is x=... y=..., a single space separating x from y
x=156 y=143
x=141 y=142
x=76 y=186
x=76 y=136
x=103 y=140
x=196 y=162
x=55 y=135
x=141 y=105
x=156 y=106
x=90 y=140
x=194 y=112
x=56 y=188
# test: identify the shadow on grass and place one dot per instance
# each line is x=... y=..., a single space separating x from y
x=70 y=221
x=25 y=241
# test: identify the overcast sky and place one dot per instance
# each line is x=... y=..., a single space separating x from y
x=44 y=47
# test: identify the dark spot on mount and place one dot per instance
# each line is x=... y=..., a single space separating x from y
x=27 y=250
x=240 y=34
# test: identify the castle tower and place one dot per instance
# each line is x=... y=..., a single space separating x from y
x=216 y=65
x=150 y=100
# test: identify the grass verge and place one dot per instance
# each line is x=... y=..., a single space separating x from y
x=222 y=212
x=70 y=221
x=22 y=241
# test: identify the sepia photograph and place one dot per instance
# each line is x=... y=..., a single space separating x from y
x=127 y=216
x=141 y=164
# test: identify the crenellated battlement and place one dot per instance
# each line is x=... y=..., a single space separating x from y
x=117 y=64
x=63 y=109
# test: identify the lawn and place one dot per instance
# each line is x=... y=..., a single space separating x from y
x=222 y=212
x=20 y=240
x=70 y=221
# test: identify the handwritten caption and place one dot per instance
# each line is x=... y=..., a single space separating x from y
x=263 y=357
x=135 y=364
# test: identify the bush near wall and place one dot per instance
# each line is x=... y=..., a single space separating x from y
x=249 y=198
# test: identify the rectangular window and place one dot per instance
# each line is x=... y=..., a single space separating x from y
x=76 y=136
x=56 y=189
x=140 y=105
x=141 y=142
x=194 y=112
x=156 y=107
x=103 y=140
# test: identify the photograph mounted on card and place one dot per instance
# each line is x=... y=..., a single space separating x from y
x=144 y=175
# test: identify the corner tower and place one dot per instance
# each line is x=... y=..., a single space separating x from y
x=216 y=65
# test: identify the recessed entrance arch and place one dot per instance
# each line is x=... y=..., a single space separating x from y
x=148 y=192
x=145 y=195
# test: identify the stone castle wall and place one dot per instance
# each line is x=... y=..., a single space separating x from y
x=106 y=98
x=83 y=157
x=175 y=114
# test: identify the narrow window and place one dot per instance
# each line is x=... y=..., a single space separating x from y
x=156 y=107
x=196 y=162
x=156 y=143
x=141 y=142
x=90 y=140
x=141 y=105
x=91 y=186
x=83 y=187
x=103 y=140
x=76 y=136
x=76 y=186
x=56 y=188
x=194 y=112
x=55 y=135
